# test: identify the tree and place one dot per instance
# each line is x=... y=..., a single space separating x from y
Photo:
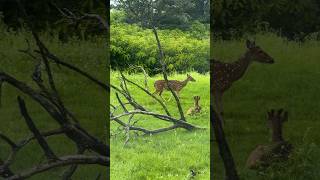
x=168 y=13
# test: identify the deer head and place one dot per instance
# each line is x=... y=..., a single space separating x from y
x=189 y=78
x=275 y=120
x=196 y=99
x=255 y=53
x=196 y=103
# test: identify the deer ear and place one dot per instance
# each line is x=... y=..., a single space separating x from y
x=279 y=112
x=253 y=43
x=249 y=44
x=285 y=117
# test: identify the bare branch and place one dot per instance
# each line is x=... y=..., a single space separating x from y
x=63 y=161
x=150 y=94
x=81 y=72
x=5 y=172
x=73 y=19
x=121 y=104
x=43 y=143
x=7 y=140
x=68 y=174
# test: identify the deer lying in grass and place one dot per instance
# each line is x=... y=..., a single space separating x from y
x=196 y=107
x=279 y=149
x=175 y=85
x=224 y=74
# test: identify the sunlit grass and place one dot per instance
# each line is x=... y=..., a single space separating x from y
x=169 y=155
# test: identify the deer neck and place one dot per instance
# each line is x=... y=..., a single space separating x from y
x=196 y=104
x=240 y=67
x=185 y=82
x=277 y=133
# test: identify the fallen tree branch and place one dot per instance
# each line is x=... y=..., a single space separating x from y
x=63 y=161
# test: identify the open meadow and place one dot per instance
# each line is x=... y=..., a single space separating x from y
x=168 y=155
x=292 y=83
x=85 y=100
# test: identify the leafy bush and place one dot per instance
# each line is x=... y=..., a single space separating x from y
x=133 y=45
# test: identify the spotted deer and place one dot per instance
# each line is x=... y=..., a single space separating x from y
x=224 y=74
x=278 y=149
x=196 y=107
x=175 y=85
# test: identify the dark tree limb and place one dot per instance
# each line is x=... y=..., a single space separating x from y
x=146 y=131
x=8 y=140
x=78 y=70
x=73 y=19
x=224 y=150
x=68 y=173
x=42 y=142
x=5 y=172
x=74 y=132
x=63 y=161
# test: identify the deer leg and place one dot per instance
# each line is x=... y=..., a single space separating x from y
x=178 y=94
x=156 y=92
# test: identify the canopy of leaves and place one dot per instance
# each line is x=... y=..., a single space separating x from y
x=166 y=14
x=293 y=19
x=45 y=16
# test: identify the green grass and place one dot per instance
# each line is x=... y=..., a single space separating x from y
x=169 y=155
x=82 y=97
x=291 y=83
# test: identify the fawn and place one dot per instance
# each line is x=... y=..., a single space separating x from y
x=224 y=74
x=175 y=85
x=279 y=149
x=196 y=107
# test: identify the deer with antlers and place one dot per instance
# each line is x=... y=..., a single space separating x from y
x=224 y=74
x=196 y=107
x=279 y=149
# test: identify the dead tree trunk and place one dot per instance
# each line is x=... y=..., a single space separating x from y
x=224 y=150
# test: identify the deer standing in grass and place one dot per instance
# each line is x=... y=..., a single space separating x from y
x=279 y=149
x=175 y=85
x=196 y=107
x=224 y=74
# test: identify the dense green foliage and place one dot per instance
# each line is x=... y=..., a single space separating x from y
x=291 y=83
x=88 y=105
x=132 y=45
x=46 y=17
x=170 y=155
x=166 y=14
x=292 y=19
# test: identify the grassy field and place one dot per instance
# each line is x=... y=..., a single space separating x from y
x=170 y=155
x=82 y=97
x=291 y=83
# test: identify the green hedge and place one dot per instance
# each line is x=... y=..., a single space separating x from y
x=132 y=45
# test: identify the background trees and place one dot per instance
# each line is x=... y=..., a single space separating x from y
x=169 y=14
x=294 y=20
